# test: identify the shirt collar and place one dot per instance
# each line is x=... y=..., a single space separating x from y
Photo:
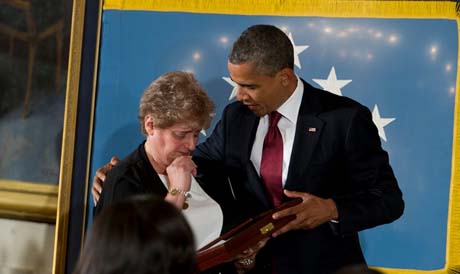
x=290 y=108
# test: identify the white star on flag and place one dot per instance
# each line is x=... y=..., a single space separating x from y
x=203 y=131
x=297 y=50
x=380 y=122
x=234 y=85
x=331 y=84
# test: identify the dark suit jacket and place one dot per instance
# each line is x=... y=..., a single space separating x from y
x=336 y=154
x=134 y=175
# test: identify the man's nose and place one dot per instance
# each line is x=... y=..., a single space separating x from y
x=240 y=94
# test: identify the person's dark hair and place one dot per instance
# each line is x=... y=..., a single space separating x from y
x=266 y=46
x=142 y=235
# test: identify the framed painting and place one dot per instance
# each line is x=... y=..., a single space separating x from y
x=46 y=94
x=33 y=103
x=399 y=58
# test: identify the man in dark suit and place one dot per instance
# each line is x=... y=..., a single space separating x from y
x=322 y=148
x=331 y=157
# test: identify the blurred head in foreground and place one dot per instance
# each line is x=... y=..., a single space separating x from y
x=142 y=235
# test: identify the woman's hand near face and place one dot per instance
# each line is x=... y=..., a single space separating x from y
x=180 y=171
x=179 y=174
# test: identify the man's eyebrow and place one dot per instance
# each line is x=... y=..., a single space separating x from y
x=244 y=85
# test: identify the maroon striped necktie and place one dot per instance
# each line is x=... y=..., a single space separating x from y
x=271 y=166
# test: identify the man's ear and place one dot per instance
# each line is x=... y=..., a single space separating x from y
x=149 y=125
x=287 y=76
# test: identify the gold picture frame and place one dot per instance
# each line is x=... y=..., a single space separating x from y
x=28 y=201
x=74 y=174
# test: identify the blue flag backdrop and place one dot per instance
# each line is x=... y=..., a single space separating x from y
x=403 y=69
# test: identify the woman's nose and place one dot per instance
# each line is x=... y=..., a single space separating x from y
x=191 y=143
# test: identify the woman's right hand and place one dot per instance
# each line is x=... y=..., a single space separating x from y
x=179 y=174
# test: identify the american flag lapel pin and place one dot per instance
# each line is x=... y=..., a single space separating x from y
x=312 y=129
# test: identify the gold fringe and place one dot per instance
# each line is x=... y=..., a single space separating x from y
x=335 y=8
x=454 y=270
x=410 y=271
x=453 y=231
x=342 y=8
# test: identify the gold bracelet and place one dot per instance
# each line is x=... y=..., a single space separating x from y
x=174 y=191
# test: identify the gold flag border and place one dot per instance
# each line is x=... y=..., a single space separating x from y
x=335 y=8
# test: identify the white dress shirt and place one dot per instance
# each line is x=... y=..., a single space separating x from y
x=203 y=214
x=287 y=126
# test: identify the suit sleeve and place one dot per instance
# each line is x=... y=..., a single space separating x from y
x=214 y=173
x=209 y=156
x=376 y=198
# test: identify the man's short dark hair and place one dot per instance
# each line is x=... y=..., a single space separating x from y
x=266 y=46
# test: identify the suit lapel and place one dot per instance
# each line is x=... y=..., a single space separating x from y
x=255 y=184
x=308 y=131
